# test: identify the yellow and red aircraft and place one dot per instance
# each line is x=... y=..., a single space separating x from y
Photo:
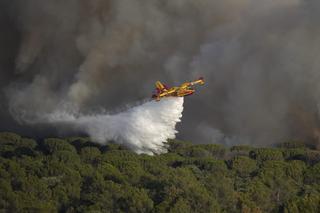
x=184 y=89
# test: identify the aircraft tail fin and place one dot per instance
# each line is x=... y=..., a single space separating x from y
x=160 y=87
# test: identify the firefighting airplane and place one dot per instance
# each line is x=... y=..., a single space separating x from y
x=184 y=89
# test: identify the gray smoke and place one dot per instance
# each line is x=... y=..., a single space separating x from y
x=260 y=60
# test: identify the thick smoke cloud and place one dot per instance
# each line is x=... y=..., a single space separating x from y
x=260 y=60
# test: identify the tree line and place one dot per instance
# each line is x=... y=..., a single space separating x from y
x=76 y=175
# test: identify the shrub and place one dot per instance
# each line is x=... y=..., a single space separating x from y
x=264 y=154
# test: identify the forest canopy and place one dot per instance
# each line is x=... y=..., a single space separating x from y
x=76 y=175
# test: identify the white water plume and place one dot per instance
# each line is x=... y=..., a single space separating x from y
x=143 y=128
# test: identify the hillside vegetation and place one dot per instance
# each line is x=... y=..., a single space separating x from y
x=75 y=175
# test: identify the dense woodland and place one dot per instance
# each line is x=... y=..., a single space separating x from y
x=76 y=175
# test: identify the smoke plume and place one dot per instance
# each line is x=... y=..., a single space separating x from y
x=260 y=60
